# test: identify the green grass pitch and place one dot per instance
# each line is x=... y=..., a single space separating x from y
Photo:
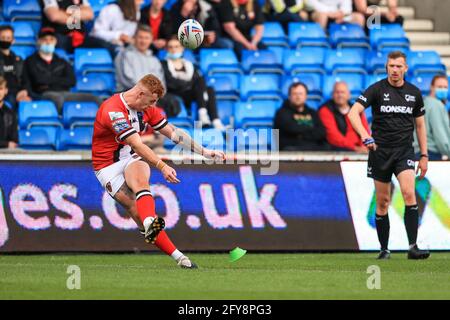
x=255 y=276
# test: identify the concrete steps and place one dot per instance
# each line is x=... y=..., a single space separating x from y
x=428 y=38
x=418 y=25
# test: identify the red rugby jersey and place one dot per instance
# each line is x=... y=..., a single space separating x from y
x=115 y=121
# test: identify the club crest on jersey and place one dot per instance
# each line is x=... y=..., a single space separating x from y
x=120 y=125
x=410 y=98
x=115 y=115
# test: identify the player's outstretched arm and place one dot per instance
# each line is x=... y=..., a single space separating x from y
x=355 y=119
x=180 y=137
x=422 y=139
x=135 y=142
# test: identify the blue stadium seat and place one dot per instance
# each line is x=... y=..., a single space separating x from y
x=372 y=78
x=183 y=119
x=97 y=5
x=260 y=86
x=52 y=131
x=420 y=62
x=225 y=109
x=278 y=51
x=21 y=10
x=219 y=61
x=79 y=113
x=169 y=4
x=355 y=82
x=35 y=139
x=224 y=87
x=315 y=104
x=376 y=62
x=23 y=51
x=274 y=35
x=42 y=112
x=312 y=81
x=423 y=82
x=255 y=113
x=24 y=34
x=305 y=59
x=63 y=54
x=188 y=54
x=347 y=35
x=388 y=35
x=307 y=34
x=339 y=61
x=261 y=61
x=79 y=138
x=102 y=84
x=259 y=138
x=92 y=60
x=209 y=138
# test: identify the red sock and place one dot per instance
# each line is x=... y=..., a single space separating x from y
x=145 y=204
x=146 y=208
x=164 y=244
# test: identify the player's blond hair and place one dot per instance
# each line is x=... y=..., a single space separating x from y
x=153 y=84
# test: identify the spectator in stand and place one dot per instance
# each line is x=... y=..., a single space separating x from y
x=11 y=67
x=160 y=22
x=68 y=18
x=184 y=80
x=334 y=115
x=285 y=11
x=8 y=120
x=300 y=127
x=238 y=18
x=47 y=76
x=138 y=60
x=335 y=11
x=391 y=16
x=117 y=22
x=437 y=121
x=204 y=13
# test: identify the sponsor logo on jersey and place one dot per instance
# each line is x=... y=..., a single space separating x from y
x=410 y=98
x=115 y=115
x=410 y=163
x=361 y=97
x=120 y=125
x=396 y=109
x=386 y=97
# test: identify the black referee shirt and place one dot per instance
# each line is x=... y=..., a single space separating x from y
x=393 y=112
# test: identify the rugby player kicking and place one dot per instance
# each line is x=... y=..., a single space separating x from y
x=122 y=161
x=397 y=106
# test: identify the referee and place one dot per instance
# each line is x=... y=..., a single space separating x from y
x=397 y=106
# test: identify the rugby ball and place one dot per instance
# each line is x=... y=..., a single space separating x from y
x=190 y=34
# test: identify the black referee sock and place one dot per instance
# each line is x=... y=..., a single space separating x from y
x=383 y=226
x=412 y=223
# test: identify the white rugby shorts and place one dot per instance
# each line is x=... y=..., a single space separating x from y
x=112 y=177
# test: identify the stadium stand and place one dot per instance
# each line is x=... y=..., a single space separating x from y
x=79 y=113
x=75 y=139
x=35 y=139
x=305 y=53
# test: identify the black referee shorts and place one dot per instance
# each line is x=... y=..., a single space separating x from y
x=387 y=161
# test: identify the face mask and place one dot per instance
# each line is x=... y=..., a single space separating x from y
x=5 y=44
x=47 y=48
x=174 y=56
x=442 y=94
